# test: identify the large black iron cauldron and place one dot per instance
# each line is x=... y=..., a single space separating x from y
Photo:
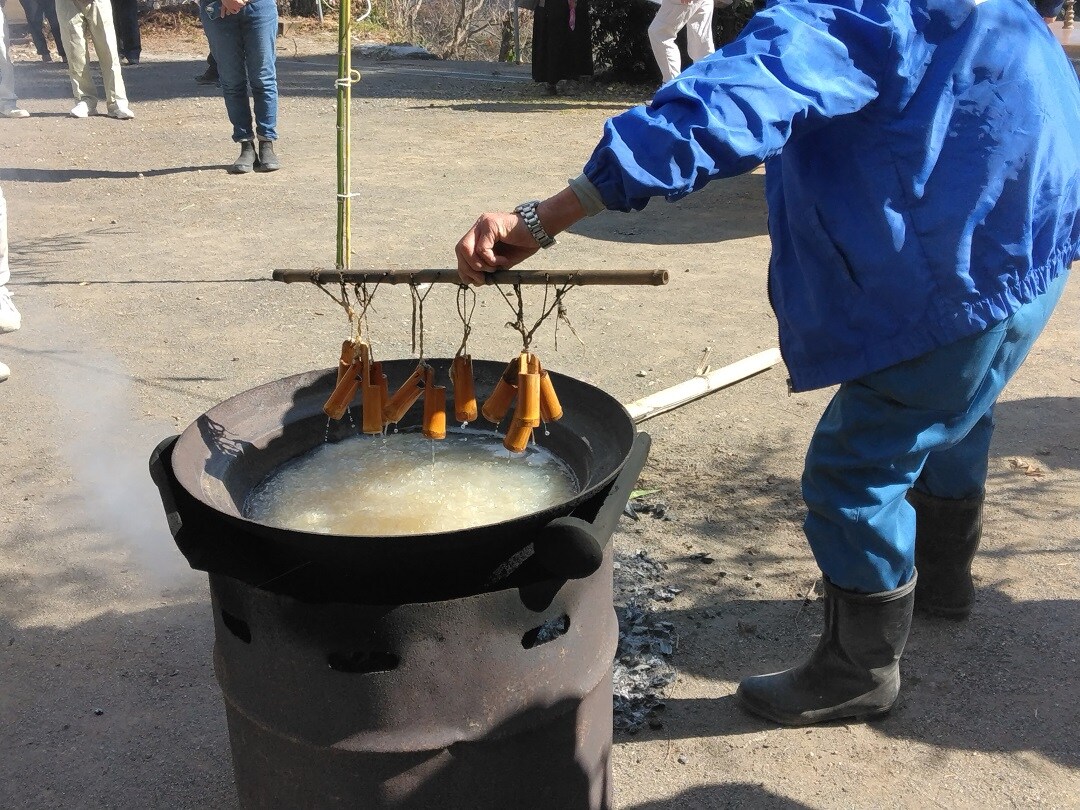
x=226 y=452
x=469 y=669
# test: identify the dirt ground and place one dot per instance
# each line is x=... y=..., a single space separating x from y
x=142 y=271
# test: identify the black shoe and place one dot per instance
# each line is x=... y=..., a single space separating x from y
x=268 y=160
x=209 y=77
x=247 y=160
x=853 y=673
x=947 y=534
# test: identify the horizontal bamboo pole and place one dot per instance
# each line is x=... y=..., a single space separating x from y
x=652 y=278
x=695 y=388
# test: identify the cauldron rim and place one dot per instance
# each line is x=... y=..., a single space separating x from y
x=191 y=454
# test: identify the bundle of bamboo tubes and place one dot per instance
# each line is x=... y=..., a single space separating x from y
x=525 y=380
x=359 y=373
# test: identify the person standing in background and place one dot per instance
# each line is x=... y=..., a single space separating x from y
x=10 y=320
x=37 y=11
x=562 y=41
x=243 y=41
x=9 y=104
x=126 y=23
x=76 y=18
x=672 y=16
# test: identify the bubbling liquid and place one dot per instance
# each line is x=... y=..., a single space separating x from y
x=408 y=484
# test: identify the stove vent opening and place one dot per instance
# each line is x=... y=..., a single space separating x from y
x=363 y=662
x=237 y=626
x=548 y=631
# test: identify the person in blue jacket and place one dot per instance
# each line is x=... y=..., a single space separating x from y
x=923 y=186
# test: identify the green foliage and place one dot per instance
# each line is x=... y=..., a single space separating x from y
x=621 y=36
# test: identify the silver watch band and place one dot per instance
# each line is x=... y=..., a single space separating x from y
x=527 y=211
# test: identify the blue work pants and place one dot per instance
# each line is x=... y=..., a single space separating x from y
x=926 y=423
x=243 y=44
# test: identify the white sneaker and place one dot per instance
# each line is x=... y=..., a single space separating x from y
x=5 y=372
x=83 y=110
x=123 y=113
x=10 y=319
x=14 y=112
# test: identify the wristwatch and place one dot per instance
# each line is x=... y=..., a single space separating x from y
x=527 y=210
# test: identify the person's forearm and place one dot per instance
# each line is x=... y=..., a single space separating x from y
x=560 y=211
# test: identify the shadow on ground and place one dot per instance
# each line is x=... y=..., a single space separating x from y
x=483 y=86
x=716 y=797
x=973 y=686
x=75 y=707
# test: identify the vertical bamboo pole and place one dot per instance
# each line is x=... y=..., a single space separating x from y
x=344 y=95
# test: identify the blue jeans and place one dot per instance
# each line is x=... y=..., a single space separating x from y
x=244 y=46
x=925 y=423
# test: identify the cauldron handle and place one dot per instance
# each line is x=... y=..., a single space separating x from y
x=162 y=475
x=572 y=547
x=193 y=534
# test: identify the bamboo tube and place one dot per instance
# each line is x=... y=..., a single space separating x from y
x=344 y=393
x=348 y=355
x=517 y=436
x=404 y=397
x=384 y=392
x=365 y=364
x=464 y=389
x=528 y=404
x=648 y=278
x=373 y=401
x=498 y=403
x=550 y=407
x=434 y=407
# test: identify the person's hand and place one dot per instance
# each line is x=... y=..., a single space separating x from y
x=496 y=241
x=232 y=6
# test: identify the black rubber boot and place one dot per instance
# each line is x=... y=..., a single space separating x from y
x=246 y=162
x=268 y=160
x=947 y=534
x=853 y=673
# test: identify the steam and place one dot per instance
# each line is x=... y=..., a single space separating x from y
x=107 y=446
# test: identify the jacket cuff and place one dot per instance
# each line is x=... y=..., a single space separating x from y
x=587 y=195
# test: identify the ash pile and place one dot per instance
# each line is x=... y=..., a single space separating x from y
x=642 y=672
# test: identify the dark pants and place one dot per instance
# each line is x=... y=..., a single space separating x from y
x=37 y=11
x=126 y=23
x=244 y=47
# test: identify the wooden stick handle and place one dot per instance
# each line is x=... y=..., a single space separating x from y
x=696 y=387
x=648 y=278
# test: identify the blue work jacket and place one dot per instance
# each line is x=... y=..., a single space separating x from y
x=922 y=164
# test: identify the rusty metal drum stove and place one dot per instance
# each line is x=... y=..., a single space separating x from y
x=468 y=669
